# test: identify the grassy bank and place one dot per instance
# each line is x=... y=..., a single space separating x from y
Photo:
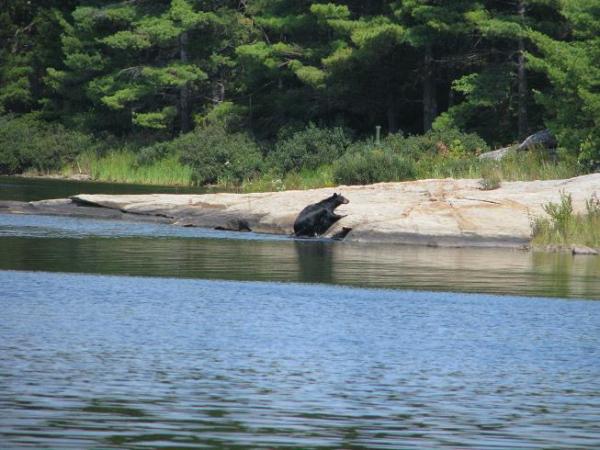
x=563 y=228
x=303 y=158
x=122 y=167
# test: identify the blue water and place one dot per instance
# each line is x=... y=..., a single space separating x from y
x=92 y=361
x=117 y=335
x=40 y=226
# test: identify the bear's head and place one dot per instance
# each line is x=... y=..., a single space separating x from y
x=340 y=199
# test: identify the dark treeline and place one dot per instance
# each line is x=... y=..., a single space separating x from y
x=153 y=70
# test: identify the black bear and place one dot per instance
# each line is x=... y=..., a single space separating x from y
x=316 y=219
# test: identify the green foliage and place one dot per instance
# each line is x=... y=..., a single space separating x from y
x=159 y=120
x=28 y=143
x=226 y=114
x=561 y=215
x=442 y=154
x=563 y=227
x=484 y=94
x=573 y=69
x=449 y=142
x=121 y=166
x=536 y=165
x=15 y=90
x=491 y=178
x=153 y=153
x=151 y=61
x=271 y=181
x=309 y=148
x=151 y=70
x=365 y=163
x=216 y=155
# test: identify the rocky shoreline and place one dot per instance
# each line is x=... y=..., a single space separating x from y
x=437 y=212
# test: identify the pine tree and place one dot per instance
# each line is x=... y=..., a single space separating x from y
x=144 y=64
x=29 y=34
x=572 y=65
x=497 y=94
x=283 y=86
x=389 y=56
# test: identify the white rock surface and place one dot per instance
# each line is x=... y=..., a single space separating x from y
x=436 y=212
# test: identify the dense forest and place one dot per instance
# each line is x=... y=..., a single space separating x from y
x=233 y=91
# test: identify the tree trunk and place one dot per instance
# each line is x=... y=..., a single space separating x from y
x=392 y=119
x=522 y=78
x=218 y=92
x=184 y=94
x=429 y=93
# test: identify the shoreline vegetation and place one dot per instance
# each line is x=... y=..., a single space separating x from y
x=308 y=158
x=564 y=230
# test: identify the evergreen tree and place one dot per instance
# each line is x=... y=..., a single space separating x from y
x=29 y=36
x=145 y=63
x=497 y=100
x=572 y=65
x=502 y=68
x=283 y=86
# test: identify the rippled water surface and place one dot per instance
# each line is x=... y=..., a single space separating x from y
x=136 y=336
x=111 y=247
x=123 y=362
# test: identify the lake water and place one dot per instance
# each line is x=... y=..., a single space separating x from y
x=138 y=336
x=31 y=189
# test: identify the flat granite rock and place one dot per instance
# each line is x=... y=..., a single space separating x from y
x=439 y=212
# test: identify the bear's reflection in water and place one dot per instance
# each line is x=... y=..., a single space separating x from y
x=315 y=260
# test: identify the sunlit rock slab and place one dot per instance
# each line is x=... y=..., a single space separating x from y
x=440 y=212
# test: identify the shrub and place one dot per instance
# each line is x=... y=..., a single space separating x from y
x=491 y=178
x=561 y=214
x=120 y=166
x=364 y=164
x=592 y=206
x=564 y=227
x=271 y=181
x=439 y=166
x=309 y=148
x=216 y=155
x=448 y=143
x=27 y=142
x=153 y=153
x=10 y=134
x=436 y=154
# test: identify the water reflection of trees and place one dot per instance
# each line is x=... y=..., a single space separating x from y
x=405 y=267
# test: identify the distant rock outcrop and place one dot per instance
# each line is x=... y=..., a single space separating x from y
x=542 y=139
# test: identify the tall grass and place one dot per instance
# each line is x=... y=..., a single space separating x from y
x=121 y=166
x=304 y=179
x=563 y=227
x=517 y=166
x=535 y=165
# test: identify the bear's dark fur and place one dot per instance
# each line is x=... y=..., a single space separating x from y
x=316 y=219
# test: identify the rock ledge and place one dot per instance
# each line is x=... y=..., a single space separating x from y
x=437 y=212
